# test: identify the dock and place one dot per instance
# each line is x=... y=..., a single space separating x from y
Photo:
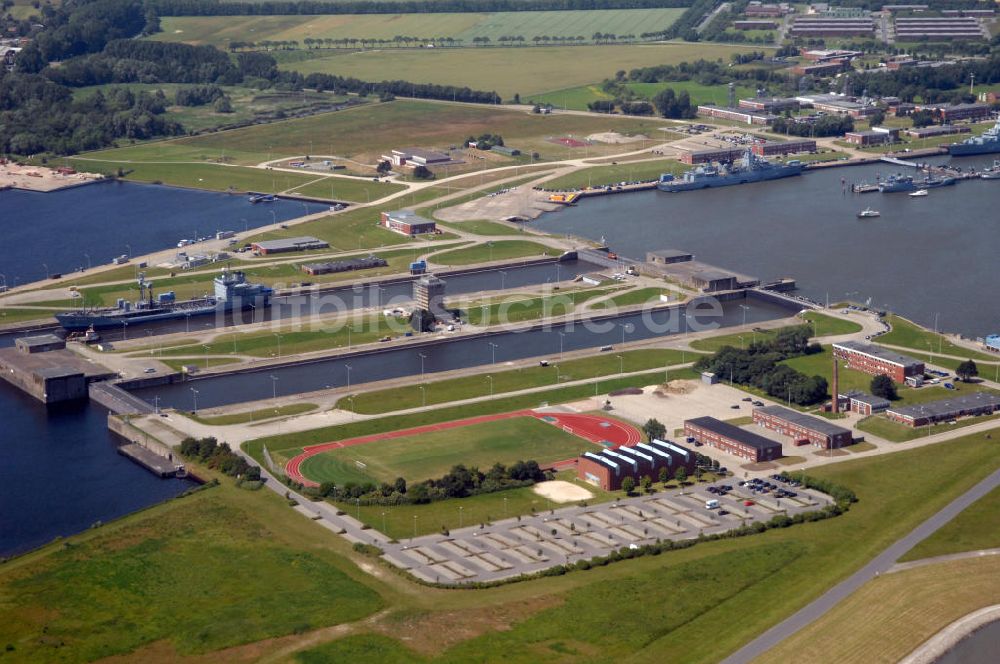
x=51 y=376
x=151 y=461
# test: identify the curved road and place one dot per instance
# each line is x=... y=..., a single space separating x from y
x=881 y=563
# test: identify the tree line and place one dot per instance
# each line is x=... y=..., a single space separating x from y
x=409 y=41
x=759 y=365
x=313 y=7
x=219 y=457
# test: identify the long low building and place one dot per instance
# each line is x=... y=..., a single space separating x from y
x=732 y=439
x=772 y=148
x=344 y=266
x=875 y=360
x=608 y=468
x=708 y=156
x=407 y=222
x=743 y=115
x=815 y=430
x=286 y=245
x=862 y=403
x=977 y=403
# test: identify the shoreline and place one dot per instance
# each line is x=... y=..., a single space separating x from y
x=951 y=635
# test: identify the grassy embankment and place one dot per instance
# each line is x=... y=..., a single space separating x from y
x=598 y=176
x=255 y=415
x=514 y=309
x=492 y=251
x=977 y=527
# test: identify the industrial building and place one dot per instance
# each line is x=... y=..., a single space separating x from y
x=668 y=256
x=866 y=138
x=770 y=105
x=938 y=130
x=344 y=266
x=732 y=439
x=289 y=244
x=862 y=403
x=755 y=8
x=608 y=468
x=428 y=292
x=406 y=222
x=773 y=148
x=803 y=428
x=680 y=266
x=942 y=28
x=755 y=25
x=832 y=27
x=736 y=114
x=41 y=343
x=821 y=68
x=413 y=157
x=945 y=113
x=874 y=360
x=693 y=157
x=977 y=403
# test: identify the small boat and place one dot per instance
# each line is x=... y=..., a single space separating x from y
x=868 y=212
x=919 y=193
x=262 y=198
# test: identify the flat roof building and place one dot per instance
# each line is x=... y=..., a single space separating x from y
x=668 y=256
x=736 y=114
x=732 y=439
x=344 y=266
x=286 y=245
x=875 y=360
x=772 y=148
x=407 y=222
x=862 y=403
x=413 y=157
x=708 y=156
x=977 y=403
x=428 y=292
x=770 y=105
x=817 y=431
x=40 y=343
x=937 y=130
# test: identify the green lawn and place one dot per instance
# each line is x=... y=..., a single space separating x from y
x=882 y=427
x=430 y=455
x=360 y=647
x=712 y=344
x=518 y=309
x=977 y=527
x=492 y=251
x=14 y=315
x=825 y=326
x=483 y=227
x=599 y=176
x=634 y=297
x=194 y=573
x=910 y=335
x=467 y=387
x=360 y=190
x=256 y=415
x=178 y=365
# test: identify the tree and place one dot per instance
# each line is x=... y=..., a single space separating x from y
x=421 y=172
x=882 y=386
x=664 y=475
x=222 y=105
x=654 y=429
x=647 y=484
x=681 y=475
x=628 y=485
x=383 y=167
x=967 y=370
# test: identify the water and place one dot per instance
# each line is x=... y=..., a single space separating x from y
x=60 y=472
x=980 y=647
x=445 y=355
x=922 y=257
x=102 y=221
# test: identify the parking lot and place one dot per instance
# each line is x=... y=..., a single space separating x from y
x=529 y=544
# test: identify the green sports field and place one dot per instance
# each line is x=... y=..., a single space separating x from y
x=430 y=455
x=463 y=27
x=528 y=71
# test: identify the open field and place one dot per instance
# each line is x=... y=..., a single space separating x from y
x=13 y=315
x=367 y=132
x=910 y=335
x=492 y=251
x=519 y=309
x=977 y=527
x=221 y=30
x=189 y=573
x=827 y=326
x=482 y=227
x=577 y=98
x=627 y=172
x=712 y=344
x=430 y=455
x=889 y=617
x=256 y=415
x=468 y=387
x=516 y=70
x=899 y=433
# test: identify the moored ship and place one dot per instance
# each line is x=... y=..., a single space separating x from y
x=896 y=183
x=750 y=168
x=232 y=292
x=988 y=143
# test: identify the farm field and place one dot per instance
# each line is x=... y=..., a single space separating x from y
x=526 y=71
x=367 y=132
x=430 y=455
x=219 y=31
x=577 y=98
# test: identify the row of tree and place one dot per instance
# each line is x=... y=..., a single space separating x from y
x=459 y=482
x=828 y=125
x=219 y=457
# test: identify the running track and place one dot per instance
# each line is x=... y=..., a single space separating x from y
x=595 y=428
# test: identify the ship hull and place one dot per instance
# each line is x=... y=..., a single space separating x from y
x=728 y=180
x=82 y=321
x=963 y=150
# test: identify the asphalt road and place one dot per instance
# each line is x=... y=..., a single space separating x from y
x=881 y=563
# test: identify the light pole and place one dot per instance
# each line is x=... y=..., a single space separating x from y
x=349 y=330
x=621 y=365
x=45 y=265
x=278 y=335
x=87 y=256
x=423 y=395
x=194 y=395
x=414 y=526
x=156 y=405
x=128 y=249
x=490 y=378
x=745 y=308
x=348 y=367
x=503 y=279
x=422 y=358
x=459 y=516
x=274 y=387
x=562 y=335
x=124 y=325
x=187 y=323
x=494 y=347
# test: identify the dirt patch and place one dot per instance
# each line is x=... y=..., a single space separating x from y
x=521 y=201
x=763 y=465
x=616 y=138
x=674 y=387
x=561 y=492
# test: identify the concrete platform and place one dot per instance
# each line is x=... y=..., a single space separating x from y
x=53 y=376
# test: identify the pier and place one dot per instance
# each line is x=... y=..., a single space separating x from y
x=151 y=454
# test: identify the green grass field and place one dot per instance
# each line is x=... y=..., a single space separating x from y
x=483 y=227
x=878 y=425
x=515 y=70
x=467 y=387
x=577 y=98
x=519 y=309
x=492 y=251
x=14 y=315
x=430 y=455
x=634 y=297
x=257 y=415
x=910 y=335
x=977 y=527
x=825 y=326
x=712 y=344
x=221 y=30
x=193 y=573
x=626 y=172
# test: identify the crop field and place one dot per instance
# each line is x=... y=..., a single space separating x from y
x=527 y=71
x=365 y=133
x=577 y=98
x=219 y=31
x=429 y=455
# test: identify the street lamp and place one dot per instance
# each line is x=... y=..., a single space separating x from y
x=422 y=358
x=745 y=308
x=494 y=347
x=423 y=395
x=459 y=516
x=490 y=378
x=278 y=335
x=194 y=395
x=274 y=387
x=621 y=364
x=349 y=330
x=348 y=367
x=124 y=325
x=562 y=335
x=503 y=278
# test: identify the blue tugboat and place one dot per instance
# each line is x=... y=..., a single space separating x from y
x=750 y=168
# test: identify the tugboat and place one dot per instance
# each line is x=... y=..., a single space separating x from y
x=868 y=212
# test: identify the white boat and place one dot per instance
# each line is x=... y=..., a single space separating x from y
x=920 y=193
x=868 y=212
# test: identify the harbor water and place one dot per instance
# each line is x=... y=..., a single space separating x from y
x=980 y=647
x=922 y=257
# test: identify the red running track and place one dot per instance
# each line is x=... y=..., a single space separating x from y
x=594 y=428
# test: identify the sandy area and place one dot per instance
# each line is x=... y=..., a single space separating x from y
x=561 y=492
x=39 y=178
x=616 y=138
x=521 y=201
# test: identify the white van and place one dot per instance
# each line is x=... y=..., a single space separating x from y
x=712 y=504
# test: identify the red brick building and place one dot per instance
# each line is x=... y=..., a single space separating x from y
x=771 y=148
x=874 y=360
x=818 y=432
x=608 y=468
x=732 y=439
x=406 y=222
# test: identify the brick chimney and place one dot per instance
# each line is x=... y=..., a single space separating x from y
x=836 y=397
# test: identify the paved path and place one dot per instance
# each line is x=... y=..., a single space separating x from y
x=883 y=562
x=899 y=567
